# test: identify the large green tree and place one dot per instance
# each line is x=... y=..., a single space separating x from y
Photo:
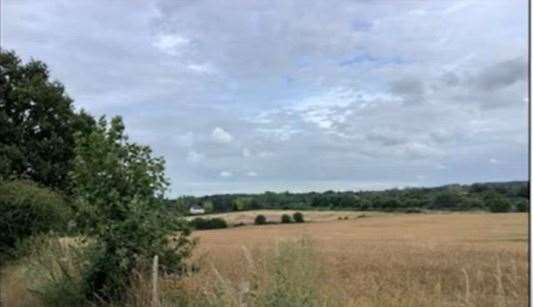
x=37 y=123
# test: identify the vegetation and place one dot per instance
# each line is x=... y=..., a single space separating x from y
x=498 y=203
x=260 y=220
x=124 y=184
x=298 y=217
x=62 y=172
x=285 y=218
x=28 y=210
x=453 y=197
x=37 y=124
x=207 y=223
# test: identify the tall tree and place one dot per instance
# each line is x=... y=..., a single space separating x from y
x=37 y=123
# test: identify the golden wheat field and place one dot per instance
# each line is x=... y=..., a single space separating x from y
x=453 y=259
x=457 y=259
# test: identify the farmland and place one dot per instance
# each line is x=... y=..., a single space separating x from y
x=392 y=260
x=447 y=259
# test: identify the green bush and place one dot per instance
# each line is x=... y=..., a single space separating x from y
x=207 y=223
x=260 y=220
x=123 y=185
x=26 y=210
x=285 y=218
x=298 y=217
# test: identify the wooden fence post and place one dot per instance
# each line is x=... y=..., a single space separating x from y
x=155 y=292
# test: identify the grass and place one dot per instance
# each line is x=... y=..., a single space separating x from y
x=391 y=260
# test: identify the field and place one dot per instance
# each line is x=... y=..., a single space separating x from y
x=462 y=259
x=453 y=259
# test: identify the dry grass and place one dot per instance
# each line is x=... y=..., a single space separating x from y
x=391 y=260
x=394 y=260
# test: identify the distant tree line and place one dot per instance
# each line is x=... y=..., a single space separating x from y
x=494 y=197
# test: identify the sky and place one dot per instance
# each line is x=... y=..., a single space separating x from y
x=282 y=95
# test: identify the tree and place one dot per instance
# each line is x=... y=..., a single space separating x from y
x=260 y=220
x=447 y=200
x=298 y=217
x=123 y=184
x=522 y=206
x=285 y=218
x=497 y=203
x=208 y=206
x=37 y=124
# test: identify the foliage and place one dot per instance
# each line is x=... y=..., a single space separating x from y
x=522 y=206
x=123 y=185
x=208 y=223
x=449 y=197
x=497 y=203
x=298 y=217
x=208 y=206
x=285 y=218
x=26 y=210
x=260 y=220
x=37 y=124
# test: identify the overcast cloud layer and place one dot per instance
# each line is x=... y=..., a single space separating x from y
x=247 y=96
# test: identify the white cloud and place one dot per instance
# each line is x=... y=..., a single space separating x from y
x=226 y=174
x=221 y=136
x=205 y=68
x=195 y=157
x=170 y=43
x=252 y=174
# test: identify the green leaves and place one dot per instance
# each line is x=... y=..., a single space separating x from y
x=37 y=124
x=121 y=185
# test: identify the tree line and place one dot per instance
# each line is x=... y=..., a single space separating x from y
x=494 y=197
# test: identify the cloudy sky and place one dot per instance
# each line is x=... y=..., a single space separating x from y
x=246 y=96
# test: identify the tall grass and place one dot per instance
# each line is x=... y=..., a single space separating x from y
x=286 y=275
x=292 y=273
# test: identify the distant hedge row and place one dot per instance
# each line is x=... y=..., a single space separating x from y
x=297 y=217
x=200 y=223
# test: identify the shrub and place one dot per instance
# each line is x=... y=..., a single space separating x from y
x=260 y=220
x=285 y=218
x=26 y=210
x=298 y=217
x=123 y=185
x=214 y=223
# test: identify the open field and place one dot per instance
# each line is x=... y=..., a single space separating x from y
x=454 y=259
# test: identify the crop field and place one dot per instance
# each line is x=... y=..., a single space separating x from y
x=452 y=259
x=463 y=259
